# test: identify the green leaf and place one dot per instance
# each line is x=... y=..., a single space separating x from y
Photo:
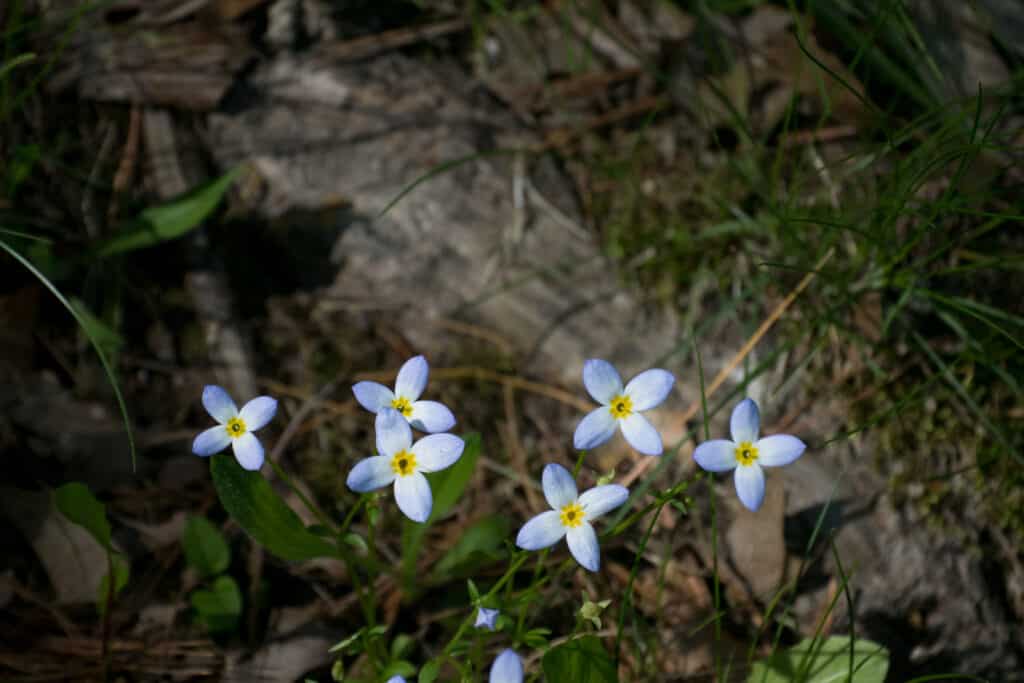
x=827 y=661
x=159 y=224
x=482 y=542
x=106 y=337
x=583 y=660
x=122 y=570
x=399 y=668
x=220 y=606
x=205 y=547
x=446 y=486
x=76 y=502
x=430 y=671
x=249 y=499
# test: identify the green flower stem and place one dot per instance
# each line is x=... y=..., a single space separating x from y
x=310 y=505
x=533 y=582
x=632 y=576
x=506 y=577
x=579 y=464
x=351 y=515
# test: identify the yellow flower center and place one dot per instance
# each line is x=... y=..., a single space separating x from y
x=402 y=405
x=235 y=427
x=571 y=515
x=746 y=453
x=621 y=407
x=404 y=463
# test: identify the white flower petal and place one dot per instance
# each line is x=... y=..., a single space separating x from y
x=745 y=422
x=437 y=451
x=780 y=449
x=602 y=499
x=507 y=668
x=210 y=441
x=593 y=430
x=393 y=432
x=717 y=455
x=431 y=416
x=583 y=545
x=750 y=486
x=372 y=395
x=641 y=434
x=218 y=404
x=370 y=474
x=248 y=451
x=258 y=412
x=559 y=487
x=541 y=531
x=601 y=380
x=412 y=493
x=650 y=388
x=412 y=378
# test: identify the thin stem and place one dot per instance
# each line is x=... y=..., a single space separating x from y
x=310 y=505
x=579 y=464
x=507 y=576
x=632 y=578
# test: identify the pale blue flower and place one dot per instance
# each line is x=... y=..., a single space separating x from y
x=396 y=679
x=621 y=407
x=402 y=462
x=485 y=618
x=234 y=427
x=747 y=454
x=571 y=516
x=426 y=416
x=507 y=668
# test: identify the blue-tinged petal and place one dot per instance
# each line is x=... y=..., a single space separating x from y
x=601 y=380
x=431 y=416
x=486 y=618
x=593 y=430
x=393 y=432
x=218 y=404
x=780 y=449
x=372 y=395
x=745 y=422
x=641 y=434
x=650 y=388
x=258 y=412
x=583 y=545
x=370 y=474
x=602 y=499
x=412 y=493
x=750 y=486
x=507 y=668
x=248 y=451
x=210 y=441
x=437 y=451
x=396 y=679
x=412 y=378
x=542 y=531
x=718 y=455
x=559 y=487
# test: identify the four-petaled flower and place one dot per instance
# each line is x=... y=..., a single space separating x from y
x=485 y=618
x=507 y=668
x=235 y=427
x=426 y=416
x=403 y=462
x=747 y=454
x=570 y=516
x=622 y=407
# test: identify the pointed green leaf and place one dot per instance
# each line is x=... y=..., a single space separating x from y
x=220 y=606
x=76 y=502
x=168 y=221
x=249 y=499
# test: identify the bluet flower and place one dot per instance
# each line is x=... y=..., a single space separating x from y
x=621 y=407
x=571 y=516
x=747 y=454
x=403 y=463
x=485 y=618
x=396 y=679
x=234 y=427
x=507 y=668
x=426 y=416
